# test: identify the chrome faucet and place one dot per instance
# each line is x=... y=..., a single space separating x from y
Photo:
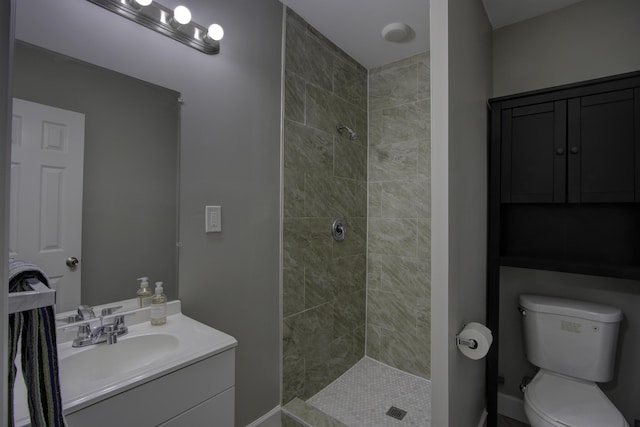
x=108 y=333
x=85 y=312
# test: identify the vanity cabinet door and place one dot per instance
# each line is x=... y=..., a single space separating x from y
x=604 y=146
x=533 y=153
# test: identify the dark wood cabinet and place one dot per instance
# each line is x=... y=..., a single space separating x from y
x=570 y=149
x=564 y=187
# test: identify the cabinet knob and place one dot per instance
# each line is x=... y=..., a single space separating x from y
x=560 y=151
x=574 y=150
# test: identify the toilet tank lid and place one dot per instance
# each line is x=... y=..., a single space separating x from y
x=569 y=307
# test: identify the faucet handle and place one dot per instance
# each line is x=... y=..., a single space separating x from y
x=110 y=310
x=85 y=312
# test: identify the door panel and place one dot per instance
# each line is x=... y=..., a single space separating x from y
x=47 y=155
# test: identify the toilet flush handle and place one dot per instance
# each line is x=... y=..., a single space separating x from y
x=522 y=311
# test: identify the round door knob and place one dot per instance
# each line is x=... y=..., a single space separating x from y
x=72 y=262
x=560 y=151
x=574 y=150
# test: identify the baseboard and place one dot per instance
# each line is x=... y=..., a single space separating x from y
x=265 y=417
x=511 y=407
x=483 y=419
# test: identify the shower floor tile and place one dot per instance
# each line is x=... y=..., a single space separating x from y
x=362 y=396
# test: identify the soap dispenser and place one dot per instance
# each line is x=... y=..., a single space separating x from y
x=144 y=294
x=158 y=306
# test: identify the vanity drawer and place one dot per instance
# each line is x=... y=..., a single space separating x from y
x=160 y=400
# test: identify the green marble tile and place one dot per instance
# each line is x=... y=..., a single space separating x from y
x=393 y=236
x=307 y=149
x=325 y=110
x=404 y=276
x=330 y=196
x=293 y=204
x=401 y=123
x=393 y=161
x=305 y=56
x=294 y=87
x=292 y=290
x=375 y=200
x=424 y=240
x=350 y=274
x=405 y=199
x=392 y=87
x=392 y=312
x=424 y=160
x=350 y=83
x=319 y=283
x=424 y=79
x=308 y=415
x=373 y=341
x=305 y=240
x=355 y=242
x=350 y=160
x=405 y=353
x=349 y=313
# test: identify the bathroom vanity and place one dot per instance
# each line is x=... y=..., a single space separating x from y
x=180 y=373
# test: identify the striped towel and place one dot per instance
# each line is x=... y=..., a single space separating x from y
x=39 y=352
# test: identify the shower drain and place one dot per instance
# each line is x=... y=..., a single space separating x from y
x=396 y=413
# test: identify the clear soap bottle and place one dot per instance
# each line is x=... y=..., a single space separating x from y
x=158 y=306
x=144 y=294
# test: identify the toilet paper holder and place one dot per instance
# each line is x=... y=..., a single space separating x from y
x=471 y=343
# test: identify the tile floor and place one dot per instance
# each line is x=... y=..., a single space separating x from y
x=363 y=395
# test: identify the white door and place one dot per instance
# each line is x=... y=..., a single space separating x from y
x=47 y=155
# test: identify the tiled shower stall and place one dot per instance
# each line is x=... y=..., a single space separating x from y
x=369 y=294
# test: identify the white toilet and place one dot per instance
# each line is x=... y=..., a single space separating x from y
x=574 y=345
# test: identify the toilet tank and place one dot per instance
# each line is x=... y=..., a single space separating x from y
x=570 y=337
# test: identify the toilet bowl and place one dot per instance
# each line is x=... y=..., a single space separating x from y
x=573 y=344
x=554 y=400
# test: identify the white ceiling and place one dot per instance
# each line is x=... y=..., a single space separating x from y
x=356 y=25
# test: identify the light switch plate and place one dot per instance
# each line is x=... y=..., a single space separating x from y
x=213 y=219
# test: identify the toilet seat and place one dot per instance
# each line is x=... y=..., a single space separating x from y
x=558 y=400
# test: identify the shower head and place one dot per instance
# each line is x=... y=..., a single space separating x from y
x=352 y=134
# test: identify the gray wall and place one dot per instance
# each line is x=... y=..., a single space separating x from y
x=325 y=177
x=6 y=53
x=130 y=194
x=230 y=151
x=469 y=88
x=461 y=84
x=590 y=39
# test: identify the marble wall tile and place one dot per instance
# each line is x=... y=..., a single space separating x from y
x=399 y=266
x=325 y=110
x=350 y=83
x=391 y=87
x=325 y=176
x=393 y=236
x=293 y=290
x=294 y=94
x=307 y=149
x=405 y=199
x=293 y=193
x=393 y=161
x=350 y=160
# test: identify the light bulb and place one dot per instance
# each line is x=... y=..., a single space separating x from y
x=215 y=32
x=182 y=15
x=143 y=2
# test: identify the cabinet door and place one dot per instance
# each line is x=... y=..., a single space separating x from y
x=533 y=153
x=603 y=146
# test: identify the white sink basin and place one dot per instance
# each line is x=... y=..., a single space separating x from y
x=130 y=354
x=95 y=372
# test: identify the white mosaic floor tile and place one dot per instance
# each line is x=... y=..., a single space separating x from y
x=363 y=395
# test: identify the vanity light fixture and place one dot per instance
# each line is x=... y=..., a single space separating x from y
x=176 y=23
